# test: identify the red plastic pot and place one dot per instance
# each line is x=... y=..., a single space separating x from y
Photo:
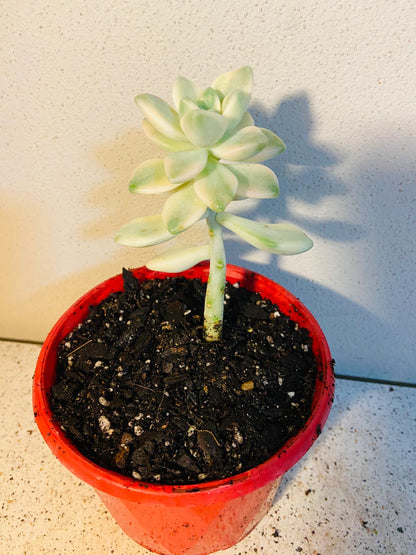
x=194 y=519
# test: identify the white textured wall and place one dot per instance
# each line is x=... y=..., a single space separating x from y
x=336 y=80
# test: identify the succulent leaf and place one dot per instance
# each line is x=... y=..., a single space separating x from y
x=179 y=259
x=241 y=78
x=143 y=232
x=216 y=186
x=245 y=121
x=160 y=115
x=182 y=209
x=203 y=128
x=274 y=238
x=241 y=145
x=162 y=141
x=184 y=88
x=254 y=181
x=272 y=148
x=234 y=106
x=185 y=105
x=209 y=100
x=185 y=165
x=150 y=177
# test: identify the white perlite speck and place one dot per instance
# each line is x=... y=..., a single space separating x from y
x=104 y=423
x=238 y=436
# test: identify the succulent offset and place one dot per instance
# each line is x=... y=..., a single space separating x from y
x=214 y=157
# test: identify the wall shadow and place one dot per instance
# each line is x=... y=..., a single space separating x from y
x=307 y=176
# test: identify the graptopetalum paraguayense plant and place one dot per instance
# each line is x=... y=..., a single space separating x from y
x=214 y=154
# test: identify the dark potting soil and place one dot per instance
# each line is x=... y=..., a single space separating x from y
x=140 y=392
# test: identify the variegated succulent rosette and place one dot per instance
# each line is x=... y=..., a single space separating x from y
x=214 y=154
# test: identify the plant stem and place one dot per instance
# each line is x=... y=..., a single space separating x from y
x=214 y=297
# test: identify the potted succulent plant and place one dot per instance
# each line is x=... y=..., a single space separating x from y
x=172 y=387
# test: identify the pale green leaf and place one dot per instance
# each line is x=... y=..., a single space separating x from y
x=143 y=232
x=241 y=78
x=160 y=115
x=162 y=141
x=182 y=88
x=184 y=166
x=185 y=105
x=179 y=259
x=209 y=100
x=150 y=177
x=274 y=238
x=234 y=106
x=241 y=145
x=216 y=186
x=203 y=128
x=182 y=209
x=245 y=121
x=272 y=148
x=254 y=181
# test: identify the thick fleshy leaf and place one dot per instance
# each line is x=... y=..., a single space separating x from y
x=203 y=128
x=209 y=100
x=241 y=78
x=241 y=145
x=150 y=177
x=184 y=166
x=234 y=106
x=216 y=186
x=185 y=105
x=161 y=115
x=184 y=87
x=162 y=141
x=246 y=121
x=182 y=209
x=274 y=238
x=254 y=181
x=179 y=259
x=273 y=147
x=143 y=232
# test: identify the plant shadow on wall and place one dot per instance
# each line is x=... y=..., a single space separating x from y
x=380 y=192
x=306 y=173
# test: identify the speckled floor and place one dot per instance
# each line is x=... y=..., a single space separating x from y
x=353 y=493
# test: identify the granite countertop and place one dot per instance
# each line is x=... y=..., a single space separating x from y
x=353 y=493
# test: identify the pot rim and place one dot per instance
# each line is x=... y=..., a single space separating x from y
x=119 y=485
